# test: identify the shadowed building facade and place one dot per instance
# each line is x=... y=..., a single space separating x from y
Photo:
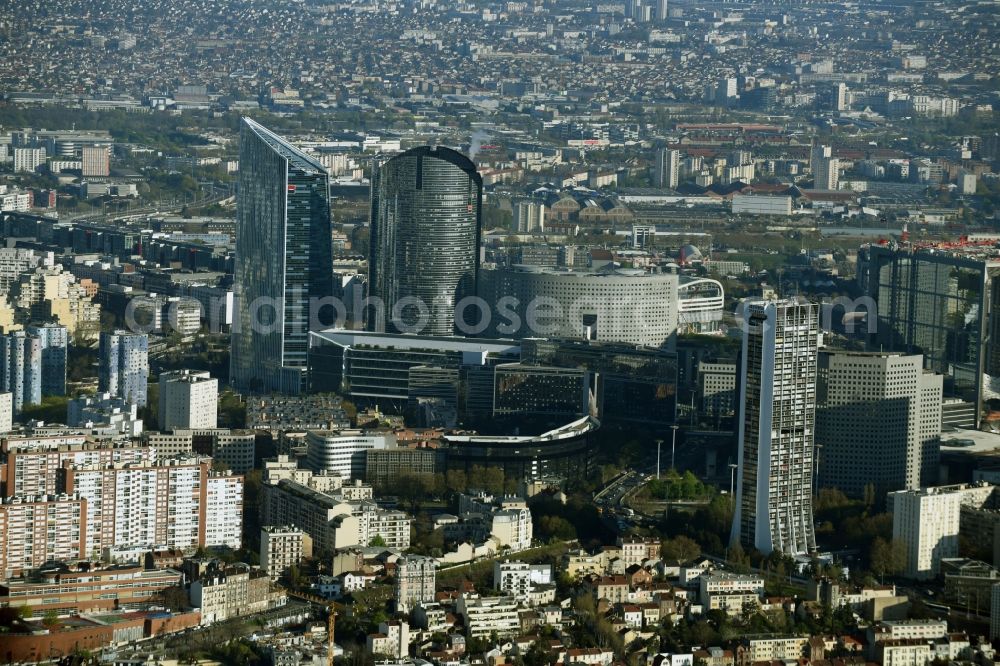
x=426 y=212
x=284 y=250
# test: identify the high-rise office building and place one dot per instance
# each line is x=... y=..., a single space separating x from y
x=123 y=369
x=21 y=368
x=54 y=340
x=776 y=425
x=426 y=213
x=825 y=168
x=95 y=161
x=668 y=167
x=607 y=305
x=188 y=400
x=284 y=264
x=878 y=422
x=634 y=384
x=343 y=452
x=940 y=304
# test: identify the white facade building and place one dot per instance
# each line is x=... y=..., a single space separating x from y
x=415 y=581
x=612 y=304
x=758 y=204
x=487 y=615
x=926 y=522
x=343 y=452
x=776 y=427
x=825 y=168
x=281 y=547
x=19 y=202
x=519 y=579
x=28 y=159
x=668 y=168
x=529 y=216
x=188 y=400
x=6 y=411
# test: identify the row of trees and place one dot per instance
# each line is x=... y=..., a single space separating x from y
x=676 y=486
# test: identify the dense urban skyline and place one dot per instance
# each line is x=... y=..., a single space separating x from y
x=651 y=333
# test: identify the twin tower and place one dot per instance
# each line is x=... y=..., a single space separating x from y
x=425 y=224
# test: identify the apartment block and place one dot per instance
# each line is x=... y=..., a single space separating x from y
x=35 y=529
x=224 y=509
x=281 y=547
x=776 y=427
x=33 y=463
x=73 y=591
x=188 y=400
x=28 y=159
x=223 y=593
x=332 y=521
x=6 y=412
x=54 y=341
x=123 y=368
x=729 y=592
x=391 y=641
x=927 y=523
x=21 y=369
x=51 y=293
x=506 y=520
x=176 y=503
x=519 y=579
x=485 y=616
x=770 y=647
x=415 y=581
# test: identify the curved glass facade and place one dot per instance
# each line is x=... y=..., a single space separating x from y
x=284 y=258
x=425 y=222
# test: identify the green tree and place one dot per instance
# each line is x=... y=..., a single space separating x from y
x=555 y=527
x=680 y=549
x=738 y=558
x=50 y=620
x=456 y=481
x=493 y=480
x=887 y=557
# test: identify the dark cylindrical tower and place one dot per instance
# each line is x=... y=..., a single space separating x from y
x=425 y=224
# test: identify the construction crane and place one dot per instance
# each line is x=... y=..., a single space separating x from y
x=331 y=618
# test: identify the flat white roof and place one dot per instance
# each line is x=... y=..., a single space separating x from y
x=407 y=341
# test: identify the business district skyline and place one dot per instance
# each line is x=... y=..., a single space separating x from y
x=591 y=350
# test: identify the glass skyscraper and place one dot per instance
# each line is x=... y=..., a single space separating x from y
x=284 y=260
x=425 y=222
x=941 y=304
